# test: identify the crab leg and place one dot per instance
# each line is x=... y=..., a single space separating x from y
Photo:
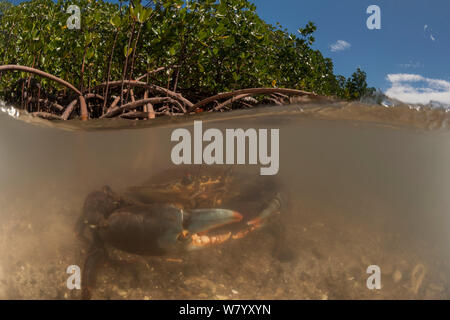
x=97 y=255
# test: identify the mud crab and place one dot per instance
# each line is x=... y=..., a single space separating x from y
x=177 y=210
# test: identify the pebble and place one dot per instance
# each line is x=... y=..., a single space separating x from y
x=397 y=276
x=220 y=297
x=234 y=291
x=122 y=293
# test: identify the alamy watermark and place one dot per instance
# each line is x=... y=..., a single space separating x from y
x=374 y=281
x=235 y=146
x=374 y=20
x=74 y=281
x=74 y=21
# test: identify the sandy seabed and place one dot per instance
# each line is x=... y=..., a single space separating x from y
x=321 y=257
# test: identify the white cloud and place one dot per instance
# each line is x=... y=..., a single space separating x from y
x=414 y=88
x=340 y=45
x=404 y=77
x=432 y=38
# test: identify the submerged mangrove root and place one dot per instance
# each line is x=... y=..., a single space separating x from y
x=143 y=100
x=84 y=113
x=253 y=91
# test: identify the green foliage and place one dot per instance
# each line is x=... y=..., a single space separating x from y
x=356 y=86
x=4 y=5
x=217 y=46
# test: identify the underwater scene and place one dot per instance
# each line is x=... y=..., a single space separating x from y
x=355 y=188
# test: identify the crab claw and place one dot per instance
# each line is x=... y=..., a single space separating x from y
x=200 y=221
x=272 y=208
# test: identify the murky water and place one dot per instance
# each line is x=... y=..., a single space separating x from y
x=366 y=186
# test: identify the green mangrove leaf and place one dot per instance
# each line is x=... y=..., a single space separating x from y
x=116 y=21
x=127 y=51
x=90 y=52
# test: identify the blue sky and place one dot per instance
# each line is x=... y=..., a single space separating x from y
x=414 y=39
